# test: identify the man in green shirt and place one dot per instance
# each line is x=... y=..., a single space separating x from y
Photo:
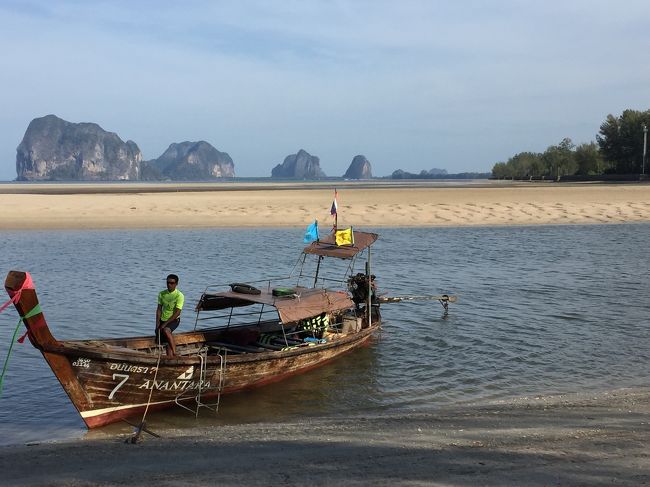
x=170 y=304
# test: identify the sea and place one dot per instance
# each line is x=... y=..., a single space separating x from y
x=541 y=310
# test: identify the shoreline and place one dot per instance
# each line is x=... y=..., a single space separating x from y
x=277 y=205
x=126 y=187
x=567 y=439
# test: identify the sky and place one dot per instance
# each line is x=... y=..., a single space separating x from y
x=412 y=85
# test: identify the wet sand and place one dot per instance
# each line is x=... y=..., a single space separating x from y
x=370 y=204
x=568 y=440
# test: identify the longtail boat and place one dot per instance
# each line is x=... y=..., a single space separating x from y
x=256 y=334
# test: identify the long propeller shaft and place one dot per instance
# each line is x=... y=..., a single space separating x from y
x=446 y=298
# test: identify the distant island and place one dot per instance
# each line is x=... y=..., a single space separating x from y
x=190 y=161
x=54 y=149
x=301 y=165
x=437 y=174
x=360 y=168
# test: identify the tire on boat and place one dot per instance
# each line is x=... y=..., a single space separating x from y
x=242 y=288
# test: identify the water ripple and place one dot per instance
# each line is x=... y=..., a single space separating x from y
x=541 y=310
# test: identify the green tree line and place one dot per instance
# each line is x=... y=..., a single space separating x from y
x=618 y=150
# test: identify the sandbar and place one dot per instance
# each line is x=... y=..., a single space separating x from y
x=369 y=204
x=598 y=439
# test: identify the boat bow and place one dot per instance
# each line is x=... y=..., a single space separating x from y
x=20 y=287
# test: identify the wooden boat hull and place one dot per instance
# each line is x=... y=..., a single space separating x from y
x=113 y=387
x=108 y=380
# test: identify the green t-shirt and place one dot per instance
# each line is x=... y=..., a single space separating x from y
x=169 y=302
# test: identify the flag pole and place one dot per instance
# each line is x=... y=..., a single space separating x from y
x=320 y=258
x=369 y=278
x=336 y=215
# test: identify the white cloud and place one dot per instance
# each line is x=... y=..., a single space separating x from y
x=447 y=84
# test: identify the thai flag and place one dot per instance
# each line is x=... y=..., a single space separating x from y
x=335 y=204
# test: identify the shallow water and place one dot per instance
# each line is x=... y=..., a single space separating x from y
x=544 y=309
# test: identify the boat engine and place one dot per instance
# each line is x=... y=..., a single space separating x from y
x=358 y=287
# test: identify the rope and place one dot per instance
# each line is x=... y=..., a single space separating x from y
x=36 y=310
x=11 y=346
x=136 y=436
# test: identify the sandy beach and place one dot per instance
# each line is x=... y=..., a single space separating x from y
x=213 y=205
x=568 y=440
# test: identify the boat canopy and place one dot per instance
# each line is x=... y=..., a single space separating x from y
x=303 y=304
x=327 y=247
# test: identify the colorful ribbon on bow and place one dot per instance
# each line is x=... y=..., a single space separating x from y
x=14 y=297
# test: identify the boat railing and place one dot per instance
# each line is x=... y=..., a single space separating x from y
x=233 y=317
x=289 y=281
x=321 y=281
x=341 y=282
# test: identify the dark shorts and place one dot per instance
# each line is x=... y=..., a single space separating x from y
x=172 y=325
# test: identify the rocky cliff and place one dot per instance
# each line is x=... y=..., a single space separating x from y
x=299 y=166
x=359 y=168
x=53 y=149
x=193 y=161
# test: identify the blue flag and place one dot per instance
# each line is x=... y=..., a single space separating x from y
x=311 y=233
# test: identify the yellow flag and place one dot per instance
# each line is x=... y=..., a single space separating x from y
x=345 y=237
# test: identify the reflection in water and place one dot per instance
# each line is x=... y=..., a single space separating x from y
x=540 y=310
